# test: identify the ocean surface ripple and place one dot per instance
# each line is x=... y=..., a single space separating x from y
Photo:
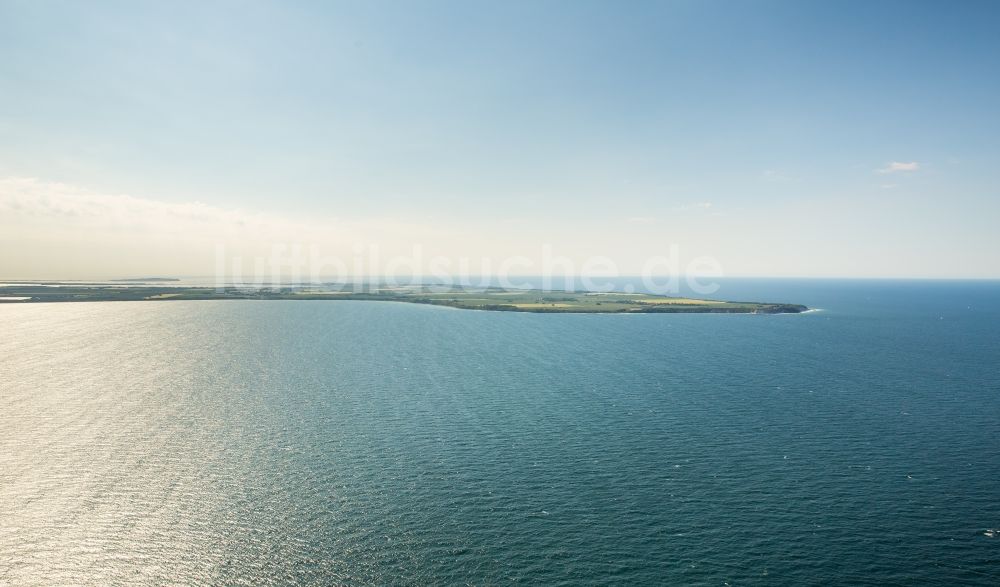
x=368 y=443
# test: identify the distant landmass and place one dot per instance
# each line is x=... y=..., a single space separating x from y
x=490 y=298
x=145 y=279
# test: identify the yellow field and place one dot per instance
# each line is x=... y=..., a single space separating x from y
x=679 y=301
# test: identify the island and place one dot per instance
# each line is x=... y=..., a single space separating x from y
x=468 y=298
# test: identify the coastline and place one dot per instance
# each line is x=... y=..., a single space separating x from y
x=485 y=299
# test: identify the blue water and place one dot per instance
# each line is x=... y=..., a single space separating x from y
x=333 y=442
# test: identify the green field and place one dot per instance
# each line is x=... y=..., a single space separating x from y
x=495 y=299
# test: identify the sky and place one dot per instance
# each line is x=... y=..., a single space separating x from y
x=799 y=139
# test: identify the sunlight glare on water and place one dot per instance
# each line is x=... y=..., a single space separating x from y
x=269 y=443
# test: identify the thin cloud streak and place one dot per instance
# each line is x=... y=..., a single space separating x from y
x=897 y=166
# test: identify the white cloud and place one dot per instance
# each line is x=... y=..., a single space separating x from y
x=69 y=231
x=65 y=207
x=897 y=166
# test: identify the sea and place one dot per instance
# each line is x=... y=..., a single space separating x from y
x=379 y=443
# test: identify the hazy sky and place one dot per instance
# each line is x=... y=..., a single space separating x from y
x=779 y=138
